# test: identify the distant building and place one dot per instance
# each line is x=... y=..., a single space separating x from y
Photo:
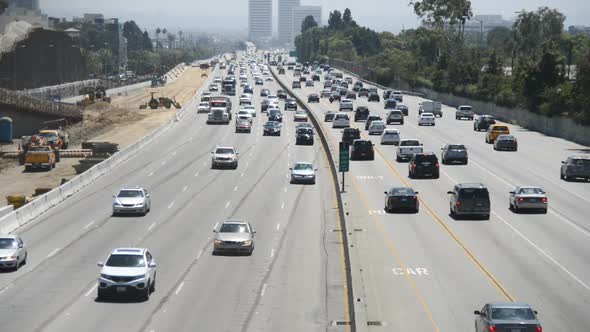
x=578 y=30
x=486 y=23
x=32 y=16
x=26 y=4
x=300 y=13
x=260 y=20
x=286 y=20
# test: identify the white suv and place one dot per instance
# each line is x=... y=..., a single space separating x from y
x=127 y=271
x=136 y=200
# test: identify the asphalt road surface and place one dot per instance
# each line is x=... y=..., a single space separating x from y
x=293 y=281
x=427 y=271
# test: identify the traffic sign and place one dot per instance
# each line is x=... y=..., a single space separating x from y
x=344 y=157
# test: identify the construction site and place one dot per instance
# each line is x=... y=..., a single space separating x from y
x=58 y=151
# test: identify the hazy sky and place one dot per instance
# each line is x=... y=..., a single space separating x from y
x=390 y=15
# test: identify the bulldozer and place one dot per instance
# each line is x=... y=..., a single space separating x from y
x=92 y=94
x=155 y=103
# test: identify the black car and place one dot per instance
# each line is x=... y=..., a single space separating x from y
x=387 y=94
x=281 y=71
x=357 y=86
x=370 y=119
x=248 y=89
x=315 y=78
x=329 y=116
x=374 y=96
x=264 y=92
x=343 y=92
x=272 y=128
x=296 y=85
x=424 y=165
x=282 y=94
x=390 y=104
x=351 y=95
x=335 y=96
x=483 y=123
x=350 y=134
x=275 y=115
x=361 y=113
x=361 y=149
x=304 y=136
x=290 y=104
x=302 y=79
x=454 y=152
x=363 y=92
x=313 y=98
x=470 y=199
x=259 y=81
x=401 y=198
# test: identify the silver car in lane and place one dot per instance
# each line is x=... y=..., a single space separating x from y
x=528 y=198
x=132 y=200
x=234 y=236
x=507 y=317
x=13 y=252
x=303 y=172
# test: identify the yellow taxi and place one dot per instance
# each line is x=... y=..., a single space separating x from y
x=496 y=130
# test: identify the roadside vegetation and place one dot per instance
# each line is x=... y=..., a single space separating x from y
x=534 y=65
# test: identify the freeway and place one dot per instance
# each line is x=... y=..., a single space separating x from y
x=428 y=271
x=293 y=281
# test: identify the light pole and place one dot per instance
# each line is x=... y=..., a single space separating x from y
x=480 y=30
x=15 y=65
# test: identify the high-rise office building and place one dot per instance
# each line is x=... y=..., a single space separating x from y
x=260 y=20
x=26 y=4
x=286 y=20
x=300 y=13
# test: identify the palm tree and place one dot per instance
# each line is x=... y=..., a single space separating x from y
x=158 y=31
x=164 y=32
x=171 y=39
x=180 y=33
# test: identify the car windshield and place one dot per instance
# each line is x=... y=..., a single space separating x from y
x=218 y=104
x=581 y=162
x=224 y=151
x=7 y=244
x=410 y=143
x=363 y=143
x=457 y=147
x=233 y=228
x=341 y=117
x=49 y=136
x=474 y=193
x=402 y=191
x=516 y=314
x=501 y=128
x=302 y=167
x=270 y=124
x=130 y=193
x=530 y=191
x=126 y=261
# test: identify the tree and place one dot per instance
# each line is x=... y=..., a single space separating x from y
x=308 y=23
x=347 y=19
x=532 y=29
x=499 y=39
x=494 y=66
x=180 y=33
x=335 y=20
x=441 y=12
x=134 y=36
x=3 y=6
x=147 y=42
x=158 y=32
x=581 y=88
x=171 y=40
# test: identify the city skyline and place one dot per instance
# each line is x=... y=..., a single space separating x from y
x=260 y=20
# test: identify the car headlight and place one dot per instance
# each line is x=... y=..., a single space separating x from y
x=116 y=203
x=247 y=243
x=218 y=242
x=105 y=276
x=9 y=257
x=139 y=204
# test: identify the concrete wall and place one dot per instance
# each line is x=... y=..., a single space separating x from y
x=25 y=123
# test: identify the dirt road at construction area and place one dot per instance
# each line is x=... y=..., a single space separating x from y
x=120 y=122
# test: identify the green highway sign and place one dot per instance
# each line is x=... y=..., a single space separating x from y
x=343 y=153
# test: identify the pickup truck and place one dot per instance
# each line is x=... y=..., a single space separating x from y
x=434 y=107
x=407 y=148
x=57 y=137
x=40 y=157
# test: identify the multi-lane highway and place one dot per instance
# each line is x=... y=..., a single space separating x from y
x=293 y=281
x=428 y=271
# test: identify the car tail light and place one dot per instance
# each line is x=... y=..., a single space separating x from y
x=414 y=197
x=436 y=165
x=544 y=200
x=492 y=328
x=521 y=199
x=539 y=328
x=413 y=165
x=457 y=203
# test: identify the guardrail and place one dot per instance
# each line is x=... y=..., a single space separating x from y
x=334 y=173
x=24 y=215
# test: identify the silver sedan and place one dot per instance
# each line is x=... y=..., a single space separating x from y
x=528 y=198
x=234 y=236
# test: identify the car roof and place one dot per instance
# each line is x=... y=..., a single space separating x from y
x=224 y=147
x=303 y=163
x=579 y=157
x=235 y=221
x=129 y=251
x=509 y=305
x=132 y=189
x=471 y=185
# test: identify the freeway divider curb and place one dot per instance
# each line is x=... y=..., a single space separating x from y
x=409 y=93
x=334 y=174
x=41 y=204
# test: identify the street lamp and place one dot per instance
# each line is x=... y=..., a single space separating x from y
x=480 y=30
x=14 y=57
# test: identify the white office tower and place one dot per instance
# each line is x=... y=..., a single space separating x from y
x=300 y=13
x=286 y=20
x=260 y=20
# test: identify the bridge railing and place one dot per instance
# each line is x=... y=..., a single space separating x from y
x=27 y=103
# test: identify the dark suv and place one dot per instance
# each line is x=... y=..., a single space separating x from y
x=350 y=134
x=361 y=149
x=304 y=136
x=374 y=96
x=424 y=165
x=361 y=113
x=575 y=167
x=483 y=123
x=282 y=94
x=470 y=199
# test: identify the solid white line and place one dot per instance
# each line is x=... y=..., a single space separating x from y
x=263 y=290
x=199 y=254
x=179 y=288
x=184 y=188
x=152 y=226
x=236 y=188
x=283 y=205
x=196 y=174
x=278 y=226
x=227 y=204
x=171 y=205
x=91 y=290
x=89 y=224
x=53 y=252
x=272 y=253
x=543 y=252
x=6 y=288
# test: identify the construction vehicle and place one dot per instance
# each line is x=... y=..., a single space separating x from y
x=31 y=142
x=92 y=94
x=156 y=103
x=55 y=133
x=39 y=154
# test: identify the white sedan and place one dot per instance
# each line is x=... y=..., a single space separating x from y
x=390 y=137
x=300 y=115
x=426 y=119
x=203 y=107
x=249 y=108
